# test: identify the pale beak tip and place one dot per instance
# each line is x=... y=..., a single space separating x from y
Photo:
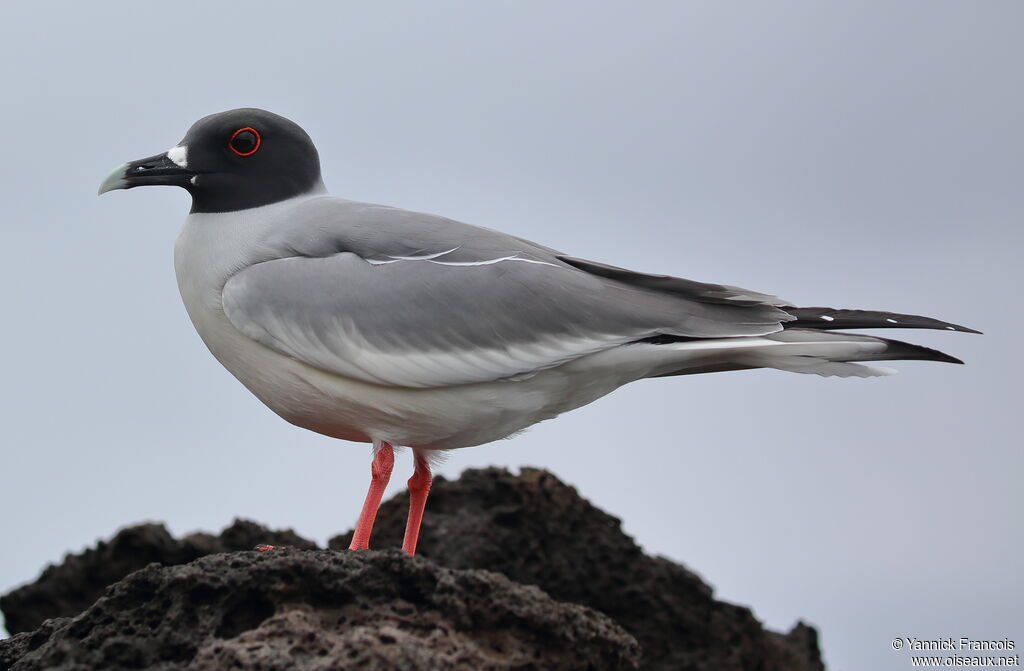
x=115 y=180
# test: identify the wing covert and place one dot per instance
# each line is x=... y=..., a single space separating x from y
x=406 y=299
x=413 y=323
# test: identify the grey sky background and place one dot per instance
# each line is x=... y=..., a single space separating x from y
x=863 y=155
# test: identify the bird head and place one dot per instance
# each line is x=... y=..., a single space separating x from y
x=230 y=161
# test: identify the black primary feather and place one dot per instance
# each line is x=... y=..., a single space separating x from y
x=830 y=318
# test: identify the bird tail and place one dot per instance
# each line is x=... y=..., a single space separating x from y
x=831 y=353
x=798 y=350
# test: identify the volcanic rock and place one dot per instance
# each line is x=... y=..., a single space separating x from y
x=295 y=608
x=319 y=609
x=71 y=587
x=537 y=530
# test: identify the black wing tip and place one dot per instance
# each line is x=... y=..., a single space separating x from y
x=947 y=326
x=950 y=326
x=830 y=318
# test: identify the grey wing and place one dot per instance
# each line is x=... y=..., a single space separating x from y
x=382 y=302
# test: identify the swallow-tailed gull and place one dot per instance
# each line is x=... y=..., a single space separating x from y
x=396 y=328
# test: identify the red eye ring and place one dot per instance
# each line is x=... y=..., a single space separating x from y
x=231 y=142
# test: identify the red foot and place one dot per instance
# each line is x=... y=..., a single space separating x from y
x=380 y=474
x=419 y=487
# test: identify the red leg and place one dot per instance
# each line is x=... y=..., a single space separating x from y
x=419 y=487
x=380 y=473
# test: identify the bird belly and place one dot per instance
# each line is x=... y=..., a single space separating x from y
x=341 y=407
x=429 y=418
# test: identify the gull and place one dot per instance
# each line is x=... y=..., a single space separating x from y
x=380 y=325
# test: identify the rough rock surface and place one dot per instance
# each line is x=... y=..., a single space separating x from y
x=539 y=531
x=71 y=587
x=319 y=609
x=531 y=527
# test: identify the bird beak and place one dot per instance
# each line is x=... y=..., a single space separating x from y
x=159 y=169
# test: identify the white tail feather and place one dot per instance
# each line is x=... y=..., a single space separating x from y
x=815 y=365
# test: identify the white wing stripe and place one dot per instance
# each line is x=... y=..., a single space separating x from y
x=432 y=259
x=424 y=257
x=474 y=263
x=492 y=261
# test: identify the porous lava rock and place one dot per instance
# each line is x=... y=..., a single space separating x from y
x=320 y=609
x=69 y=588
x=537 y=530
x=530 y=527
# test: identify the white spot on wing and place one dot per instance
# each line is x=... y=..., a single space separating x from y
x=178 y=155
x=891 y=320
x=827 y=318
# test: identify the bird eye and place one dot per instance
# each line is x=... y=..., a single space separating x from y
x=245 y=141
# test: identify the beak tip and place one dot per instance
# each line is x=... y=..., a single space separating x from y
x=115 y=180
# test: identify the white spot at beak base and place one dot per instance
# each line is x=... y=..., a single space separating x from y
x=178 y=155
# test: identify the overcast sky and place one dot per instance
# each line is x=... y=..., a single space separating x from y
x=862 y=155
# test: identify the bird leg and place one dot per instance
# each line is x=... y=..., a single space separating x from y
x=380 y=473
x=419 y=487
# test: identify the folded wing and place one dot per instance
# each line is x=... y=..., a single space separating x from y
x=466 y=305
